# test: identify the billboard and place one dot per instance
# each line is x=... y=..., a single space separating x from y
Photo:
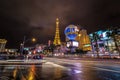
x=72 y=44
x=102 y=35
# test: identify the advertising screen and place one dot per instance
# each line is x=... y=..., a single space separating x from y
x=102 y=35
x=72 y=44
x=75 y=43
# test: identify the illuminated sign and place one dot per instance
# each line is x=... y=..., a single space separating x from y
x=102 y=35
x=71 y=32
x=72 y=44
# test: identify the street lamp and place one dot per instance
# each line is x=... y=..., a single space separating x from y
x=26 y=40
x=22 y=45
x=33 y=39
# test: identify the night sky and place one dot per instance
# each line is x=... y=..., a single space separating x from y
x=36 y=18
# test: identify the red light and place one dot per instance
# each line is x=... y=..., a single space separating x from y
x=34 y=52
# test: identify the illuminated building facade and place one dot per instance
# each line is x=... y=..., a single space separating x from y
x=106 y=43
x=2 y=44
x=118 y=38
x=57 y=40
x=71 y=32
x=84 y=40
x=81 y=39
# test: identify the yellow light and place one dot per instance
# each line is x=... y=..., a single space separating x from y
x=15 y=73
x=31 y=75
x=57 y=19
x=33 y=39
x=79 y=35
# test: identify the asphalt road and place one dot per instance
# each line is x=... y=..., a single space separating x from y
x=62 y=69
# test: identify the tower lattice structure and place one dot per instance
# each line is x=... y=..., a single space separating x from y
x=57 y=34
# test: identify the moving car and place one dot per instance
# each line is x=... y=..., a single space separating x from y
x=37 y=57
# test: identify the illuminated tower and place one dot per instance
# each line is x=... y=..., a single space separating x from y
x=57 y=34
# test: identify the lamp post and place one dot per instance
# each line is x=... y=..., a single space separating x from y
x=22 y=45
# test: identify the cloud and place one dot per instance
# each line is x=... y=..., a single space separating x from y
x=37 y=17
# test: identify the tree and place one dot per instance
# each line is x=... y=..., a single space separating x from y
x=113 y=34
x=95 y=39
x=108 y=35
x=51 y=47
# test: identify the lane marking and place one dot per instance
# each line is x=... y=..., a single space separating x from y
x=106 y=70
x=110 y=70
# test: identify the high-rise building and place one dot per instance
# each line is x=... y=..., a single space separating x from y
x=2 y=44
x=57 y=34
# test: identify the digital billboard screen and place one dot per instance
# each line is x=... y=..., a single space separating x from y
x=72 y=44
x=102 y=35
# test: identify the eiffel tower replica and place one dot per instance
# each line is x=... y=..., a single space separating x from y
x=57 y=34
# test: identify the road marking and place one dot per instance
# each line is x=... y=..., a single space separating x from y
x=107 y=70
x=74 y=71
x=67 y=62
x=54 y=64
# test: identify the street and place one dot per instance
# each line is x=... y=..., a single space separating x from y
x=62 y=69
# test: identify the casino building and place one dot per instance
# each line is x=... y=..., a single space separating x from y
x=78 y=38
x=2 y=44
x=84 y=40
x=105 y=42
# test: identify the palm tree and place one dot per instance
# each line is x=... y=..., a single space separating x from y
x=95 y=39
x=113 y=34
x=108 y=35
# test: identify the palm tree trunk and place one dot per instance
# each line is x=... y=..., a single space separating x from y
x=97 y=49
x=116 y=46
x=108 y=48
